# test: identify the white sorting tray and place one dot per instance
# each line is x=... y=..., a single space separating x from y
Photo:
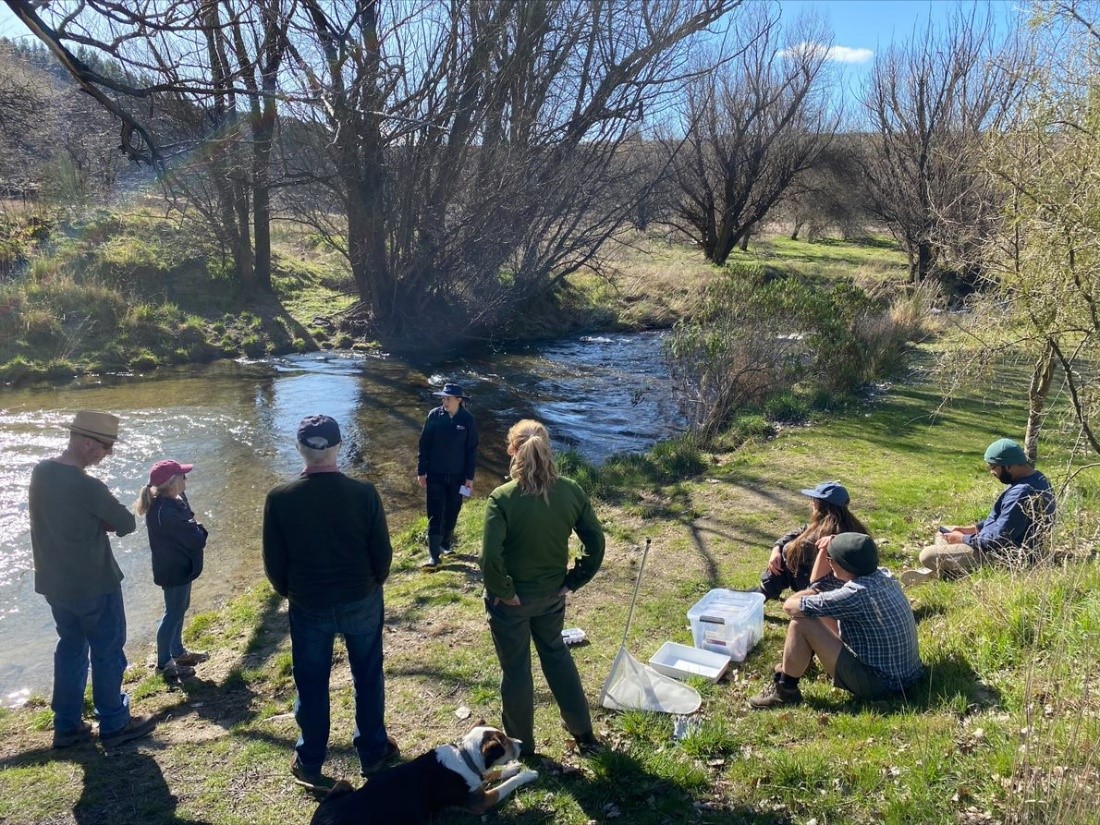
x=681 y=661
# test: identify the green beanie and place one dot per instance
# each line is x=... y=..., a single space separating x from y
x=855 y=552
x=1005 y=452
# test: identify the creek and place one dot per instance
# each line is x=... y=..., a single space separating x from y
x=235 y=421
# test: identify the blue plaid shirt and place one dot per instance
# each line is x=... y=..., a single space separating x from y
x=876 y=622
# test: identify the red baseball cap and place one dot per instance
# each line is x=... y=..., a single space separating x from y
x=164 y=471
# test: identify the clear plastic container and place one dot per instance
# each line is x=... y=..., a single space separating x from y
x=728 y=621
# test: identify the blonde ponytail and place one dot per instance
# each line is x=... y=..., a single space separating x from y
x=532 y=465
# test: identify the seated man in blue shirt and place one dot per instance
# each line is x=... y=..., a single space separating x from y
x=872 y=653
x=1014 y=530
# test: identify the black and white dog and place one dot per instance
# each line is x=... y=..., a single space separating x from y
x=449 y=776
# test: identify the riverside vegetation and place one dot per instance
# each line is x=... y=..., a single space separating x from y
x=1003 y=729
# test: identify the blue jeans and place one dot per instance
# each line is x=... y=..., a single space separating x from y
x=170 y=633
x=312 y=631
x=92 y=628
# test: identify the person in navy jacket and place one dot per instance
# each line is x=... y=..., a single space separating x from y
x=1015 y=530
x=176 y=542
x=445 y=468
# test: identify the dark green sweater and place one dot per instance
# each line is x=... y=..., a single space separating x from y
x=325 y=540
x=71 y=513
x=525 y=548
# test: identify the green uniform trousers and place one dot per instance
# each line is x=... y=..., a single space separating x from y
x=514 y=628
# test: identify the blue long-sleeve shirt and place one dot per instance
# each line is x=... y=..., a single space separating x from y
x=1019 y=516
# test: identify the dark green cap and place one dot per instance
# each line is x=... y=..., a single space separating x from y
x=855 y=552
x=1005 y=452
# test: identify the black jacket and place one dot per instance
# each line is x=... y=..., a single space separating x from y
x=448 y=445
x=176 y=541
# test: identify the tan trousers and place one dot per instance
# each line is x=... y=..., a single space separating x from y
x=952 y=559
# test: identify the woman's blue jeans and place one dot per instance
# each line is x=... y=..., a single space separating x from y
x=92 y=630
x=312 y=632
x=170 y=633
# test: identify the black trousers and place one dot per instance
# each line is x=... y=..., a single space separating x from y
x=443 y=503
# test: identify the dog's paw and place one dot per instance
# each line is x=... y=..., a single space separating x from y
x=510 y=770
x=527 y=776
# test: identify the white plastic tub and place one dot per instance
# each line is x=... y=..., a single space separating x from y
x=681 y=661
x=730 y=622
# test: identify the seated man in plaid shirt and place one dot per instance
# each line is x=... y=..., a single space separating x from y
x=872 y=652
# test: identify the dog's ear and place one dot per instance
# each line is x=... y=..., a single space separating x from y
x=493 y=747
x=480 y=723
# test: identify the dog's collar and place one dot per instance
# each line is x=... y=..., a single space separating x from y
x=469 y=760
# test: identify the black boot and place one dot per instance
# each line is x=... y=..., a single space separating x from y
x=433 y=552
x=447 y=545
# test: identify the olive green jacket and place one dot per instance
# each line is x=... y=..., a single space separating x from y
x=525 y=548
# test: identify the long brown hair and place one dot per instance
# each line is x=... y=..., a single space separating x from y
x=532 y=465
x=827 y=520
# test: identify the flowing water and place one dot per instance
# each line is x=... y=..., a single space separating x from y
x=236 y=421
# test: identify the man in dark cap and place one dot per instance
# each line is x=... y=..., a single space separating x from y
x=327 y=550
x=872 y=653
x=72 y=514
x=1014 y=530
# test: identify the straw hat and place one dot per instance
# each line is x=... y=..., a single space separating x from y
x=94 y=424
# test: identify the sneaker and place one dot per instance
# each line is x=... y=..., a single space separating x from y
x=175 y=670
x=67 y=738
x=445 y=550
x=392 y=752
x=431 y=565
x=912 y=578
x=313 y=781
x=588 y=744
x=190 y=658
x=775 y=695
x=137 y=727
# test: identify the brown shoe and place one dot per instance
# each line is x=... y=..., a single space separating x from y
x=391 y=752
x=137 y=727
x=191 y=658
x=68 y=738
x=776 y=695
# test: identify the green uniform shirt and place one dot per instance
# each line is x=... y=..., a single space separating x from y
x=71 y=513
x=525 y=548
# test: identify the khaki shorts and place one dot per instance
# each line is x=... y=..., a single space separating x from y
x=859 y=679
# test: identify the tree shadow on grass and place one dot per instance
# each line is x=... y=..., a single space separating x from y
x=110 y=779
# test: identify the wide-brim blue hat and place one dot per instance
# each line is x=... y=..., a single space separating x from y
x=831 y=491
x=451 y=391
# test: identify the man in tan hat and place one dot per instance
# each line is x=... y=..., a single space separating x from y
x=71 y=514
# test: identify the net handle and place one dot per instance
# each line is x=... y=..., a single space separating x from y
x=634 y=599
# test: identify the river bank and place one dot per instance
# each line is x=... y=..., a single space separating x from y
x=1003 y=730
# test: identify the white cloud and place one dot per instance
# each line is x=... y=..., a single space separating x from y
x=838 y=54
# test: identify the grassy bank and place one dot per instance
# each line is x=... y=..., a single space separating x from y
x=1004 y=729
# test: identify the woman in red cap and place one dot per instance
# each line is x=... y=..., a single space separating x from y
x=176 y=541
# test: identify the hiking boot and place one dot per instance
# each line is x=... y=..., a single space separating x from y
x=912 y=578
x=391 y=752
x=175 y=670
x=431 y=565
x=314 y=781
x=77 y=736
x=190 y=658
x=137 y=727
x=588 y=744
x=775 y=695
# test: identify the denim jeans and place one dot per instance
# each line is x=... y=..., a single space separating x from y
x=170 y=633
x=312 y=631
x=513 y=630
x=92 y=628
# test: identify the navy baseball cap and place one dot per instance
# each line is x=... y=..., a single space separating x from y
x=831 y=491
x=318 y=432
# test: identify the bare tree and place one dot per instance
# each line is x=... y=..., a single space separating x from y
x=478 y=147
x=752 y=127
x=194 y=93
x=930 y=105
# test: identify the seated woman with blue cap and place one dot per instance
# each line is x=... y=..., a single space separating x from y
x=796 y=562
